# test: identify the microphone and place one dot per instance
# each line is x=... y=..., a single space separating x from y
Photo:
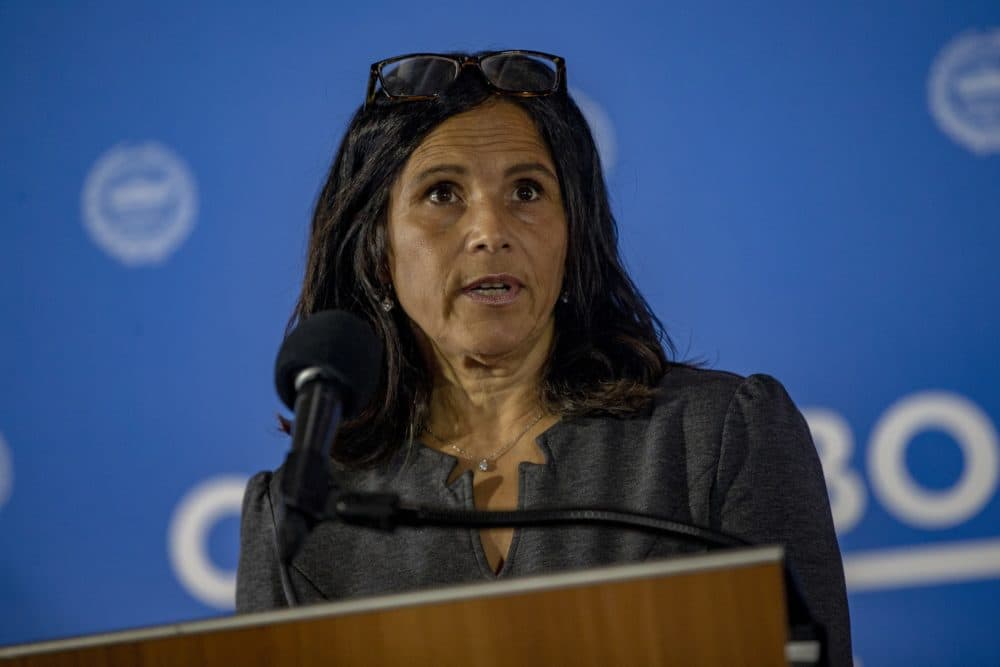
x=327 y=370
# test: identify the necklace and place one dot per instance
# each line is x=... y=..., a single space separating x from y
x=485 y=461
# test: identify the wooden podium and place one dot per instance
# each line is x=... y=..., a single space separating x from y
x=723 y=608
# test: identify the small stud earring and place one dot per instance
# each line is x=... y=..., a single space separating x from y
x=565 y=297
x=386 y=301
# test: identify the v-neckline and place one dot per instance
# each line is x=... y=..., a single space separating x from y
x=465 y=483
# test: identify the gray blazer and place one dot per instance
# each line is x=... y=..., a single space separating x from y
x=715 y=449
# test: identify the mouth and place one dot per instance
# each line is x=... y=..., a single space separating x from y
x=493 y=290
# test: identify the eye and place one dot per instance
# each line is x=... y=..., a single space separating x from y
x=528 y=191
x=441 y=193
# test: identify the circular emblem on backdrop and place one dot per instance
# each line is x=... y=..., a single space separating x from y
x=964 y=90
x=196 y=514
x=6 y=472
x=139 y=203
x=601 y=127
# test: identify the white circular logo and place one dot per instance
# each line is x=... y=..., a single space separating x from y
x=971 y=429
x=964 y=90
x=196 y=514
x=6 y=473
x=139 y=203
x=601 y=126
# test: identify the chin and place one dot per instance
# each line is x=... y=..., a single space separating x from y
x=493 y=348
x=524 y=343
x=495 y=343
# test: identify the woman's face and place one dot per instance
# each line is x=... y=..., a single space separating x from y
x=477 y=236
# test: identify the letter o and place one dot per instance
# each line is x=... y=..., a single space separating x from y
x=968 y=425
x=193 y=519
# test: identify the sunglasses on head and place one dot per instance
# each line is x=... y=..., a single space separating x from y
x=424 y=76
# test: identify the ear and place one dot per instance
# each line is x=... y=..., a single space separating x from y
x=383 y=273
x=384 y=270
x=382 y=246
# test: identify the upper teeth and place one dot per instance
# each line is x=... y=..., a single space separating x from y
x=491 y=285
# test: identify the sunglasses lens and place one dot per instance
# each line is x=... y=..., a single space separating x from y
x=418 y=76
x=521 y=73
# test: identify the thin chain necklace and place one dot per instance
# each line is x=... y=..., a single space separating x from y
x=486 y=461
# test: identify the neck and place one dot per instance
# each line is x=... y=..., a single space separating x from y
x=486 y=398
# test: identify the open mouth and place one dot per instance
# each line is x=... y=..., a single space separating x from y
x=491 y=289
x=494 y=290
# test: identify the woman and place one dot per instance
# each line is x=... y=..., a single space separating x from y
x=466 y=218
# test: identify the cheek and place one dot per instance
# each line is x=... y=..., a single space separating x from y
x=419 y=277
x=557 y=252
x=413 y=274
x=406 y=250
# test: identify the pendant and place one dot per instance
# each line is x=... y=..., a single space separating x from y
x=484 y=465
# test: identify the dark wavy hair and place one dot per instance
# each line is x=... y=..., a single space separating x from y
x=609 y=349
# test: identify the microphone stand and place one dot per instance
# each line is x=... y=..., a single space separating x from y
x=385 y=511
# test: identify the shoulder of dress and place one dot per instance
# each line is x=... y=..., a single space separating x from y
x=706 y=387
x=694 y=378
x=696 y=389
x=260 y=487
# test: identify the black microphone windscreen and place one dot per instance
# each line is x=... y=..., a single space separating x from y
x=339 y=343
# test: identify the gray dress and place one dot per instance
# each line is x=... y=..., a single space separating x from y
x=715 y=450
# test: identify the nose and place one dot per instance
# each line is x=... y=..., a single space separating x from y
x=489 y=227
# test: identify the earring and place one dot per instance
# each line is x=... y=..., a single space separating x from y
x=386 y=302
x=565 y=297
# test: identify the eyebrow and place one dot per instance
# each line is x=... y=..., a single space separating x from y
x=527 y=167
x=520 y=168
x=440 y=169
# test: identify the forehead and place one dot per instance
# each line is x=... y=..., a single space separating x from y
x=495 y=132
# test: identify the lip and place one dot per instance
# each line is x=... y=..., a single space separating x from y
x=502 y=299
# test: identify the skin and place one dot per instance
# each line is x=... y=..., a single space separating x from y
x=478 y=197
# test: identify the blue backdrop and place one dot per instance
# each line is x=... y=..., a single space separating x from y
x=809 y=190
